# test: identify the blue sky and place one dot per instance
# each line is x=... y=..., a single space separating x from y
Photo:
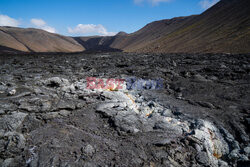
x=94 y=17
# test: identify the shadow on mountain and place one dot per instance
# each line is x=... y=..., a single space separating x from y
x=7 y=50
x=97 y=44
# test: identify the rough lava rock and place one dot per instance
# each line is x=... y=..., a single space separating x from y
x=198 y=118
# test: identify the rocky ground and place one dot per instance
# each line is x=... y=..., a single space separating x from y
x=201 y=117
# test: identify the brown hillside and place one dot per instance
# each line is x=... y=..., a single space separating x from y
x=223 y=28
x=148 y=34
x=35 y=40
x=134 y=41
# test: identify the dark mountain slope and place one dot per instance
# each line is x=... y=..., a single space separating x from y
x=134 y=41
x=148 y=34
x=223 y=28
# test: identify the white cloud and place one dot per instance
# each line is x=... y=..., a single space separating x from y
x=153 y=2
x=8 y=21
x=86 y=29
x=205 y=4
x=49 y=29
x=39 y=23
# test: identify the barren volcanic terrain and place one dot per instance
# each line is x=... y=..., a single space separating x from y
x=200 y=117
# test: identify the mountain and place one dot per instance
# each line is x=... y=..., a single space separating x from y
x=131 y=42
x=97 y=43
x=148 y=34
x=35 y=40
x=224 y=28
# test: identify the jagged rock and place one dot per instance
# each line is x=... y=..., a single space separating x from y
x=162 y=142
x=36 y=105
x=64 y=113
x=202 y=158
x=223 y=66
x=37 y=91
x=247 y=150
x=169 y=127
x=198 y=147
x=222 y=163
x=234 y=154
x=65 y=105
x=3 y=88
x=2 y=111
x=7 y=107
x=12 y=92
x=90 y=164
x=174 y=63
x=50 y=115
x=12 y=143
x=200 y=78
x=56 y=82
x=68 y=89
x=89 y=150
x=12 y=122
x=7 y=162
x=213 y=78
x=243 y=158
x=127 y=122
x=212 y=140
x=206 y=104
x=106 y=109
